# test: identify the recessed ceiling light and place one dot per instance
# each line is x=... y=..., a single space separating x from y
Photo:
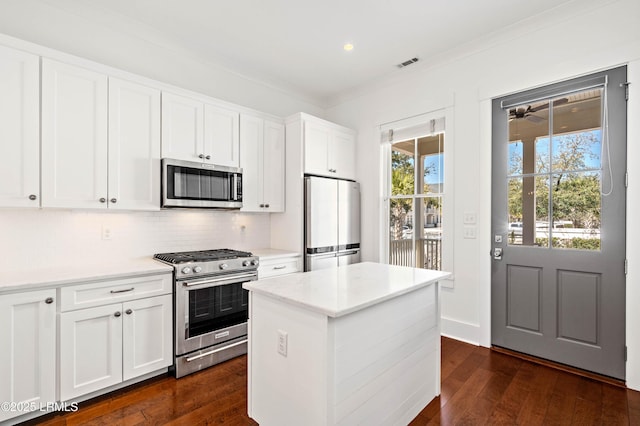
x=348 y=47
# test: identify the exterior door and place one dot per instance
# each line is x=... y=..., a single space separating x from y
x=558 y=222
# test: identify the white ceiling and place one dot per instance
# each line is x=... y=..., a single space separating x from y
x=296 y=45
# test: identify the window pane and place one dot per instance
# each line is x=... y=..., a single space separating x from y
x=401 y=232
x=576 y=211
x=528 y=209
x=402 y=168
x=431 y=152
x=430 y=247
x=515 y=158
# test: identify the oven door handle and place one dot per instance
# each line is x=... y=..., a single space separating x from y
x=217 y=281
x=193 y=358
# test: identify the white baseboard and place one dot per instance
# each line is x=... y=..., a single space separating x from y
x=465 y=332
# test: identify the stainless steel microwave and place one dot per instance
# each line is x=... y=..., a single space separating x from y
x=190 y=184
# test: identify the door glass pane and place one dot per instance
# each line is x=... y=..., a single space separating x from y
x=577 y=151
x=576 y=211
x=528 y=210
x=527 y=124
x=402 y=168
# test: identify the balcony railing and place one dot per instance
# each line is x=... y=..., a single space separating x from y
x=428 y=252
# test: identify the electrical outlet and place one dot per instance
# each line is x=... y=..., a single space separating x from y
x=282 y=342
x=106 y=232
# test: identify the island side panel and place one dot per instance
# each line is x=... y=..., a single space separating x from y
x=292 y=389
x=387 y=359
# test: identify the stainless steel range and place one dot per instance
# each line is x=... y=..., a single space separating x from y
x=211 y=307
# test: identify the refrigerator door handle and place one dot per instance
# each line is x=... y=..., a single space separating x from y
x=348 y=253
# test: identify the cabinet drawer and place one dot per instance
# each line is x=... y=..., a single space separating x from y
x=281 y=267
x=101 y=293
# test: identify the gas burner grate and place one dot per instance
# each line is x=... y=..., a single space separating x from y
x=201 y=255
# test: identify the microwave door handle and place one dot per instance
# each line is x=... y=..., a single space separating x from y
x=234 y=189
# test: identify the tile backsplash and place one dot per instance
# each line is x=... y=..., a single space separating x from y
x=44 y=238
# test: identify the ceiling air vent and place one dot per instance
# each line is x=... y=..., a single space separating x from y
x=409 y=62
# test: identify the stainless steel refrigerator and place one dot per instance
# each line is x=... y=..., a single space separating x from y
x=332 y=222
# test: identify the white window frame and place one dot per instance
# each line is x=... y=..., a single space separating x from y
x=448 y=216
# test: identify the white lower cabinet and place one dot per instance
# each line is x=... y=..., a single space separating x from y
x=105 y=345
x=28 y=355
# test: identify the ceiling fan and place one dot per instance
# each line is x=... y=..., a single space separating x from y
x=527 y=113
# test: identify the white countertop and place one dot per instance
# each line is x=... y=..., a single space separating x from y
x=269 y=253
x=339 y=291
x=31 y=279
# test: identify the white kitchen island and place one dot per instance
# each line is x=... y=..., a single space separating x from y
x=359 y=344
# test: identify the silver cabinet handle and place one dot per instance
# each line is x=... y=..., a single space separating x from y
x=117 y=314
x=48 y=300
x=208 y=157
x=201 y=156
x=122 y=291
x=128 y=312
x=33 y=197
x=114 y=200
x=280 y=267
x=103 y=200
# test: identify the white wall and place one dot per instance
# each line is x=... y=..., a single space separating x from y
x=33 y=239
x=145 y=53
x=546 y=49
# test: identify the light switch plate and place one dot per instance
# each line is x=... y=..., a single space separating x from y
x=469 y=218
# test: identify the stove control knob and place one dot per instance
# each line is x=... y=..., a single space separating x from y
x=223 y=266
x=246 y=263
x=197 y=269
x=255 y=262
x=186 y=270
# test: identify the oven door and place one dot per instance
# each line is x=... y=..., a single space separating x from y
x=211 y=310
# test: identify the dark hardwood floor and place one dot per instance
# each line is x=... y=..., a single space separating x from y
x=479 y=387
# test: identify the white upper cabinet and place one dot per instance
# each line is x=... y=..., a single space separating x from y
x=19 y=129
x=193 y=130
x=100 y=140
x=134 y=146
x=74 y=136
x=328 y=150
x=262 y=147
x=221 y=136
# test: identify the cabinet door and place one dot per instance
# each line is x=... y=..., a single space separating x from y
x=221 y=136
x=74 y=136
x=342 y=155
x=182 y=127
x=28 y=355
x=90 y=350
x=251 y=137
x=134 y=146
x=273 y=166
x=19 y=129
x=316 y=149
x=147 y=336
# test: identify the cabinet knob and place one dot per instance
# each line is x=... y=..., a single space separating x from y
x=266 y=205
x=208 y=157
x=48 y=300
x=33 y=197
x=103 y=200
x=128 y=312
x=117 y=314
x=201 y=156
x=114 y=200
x=261 y=205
